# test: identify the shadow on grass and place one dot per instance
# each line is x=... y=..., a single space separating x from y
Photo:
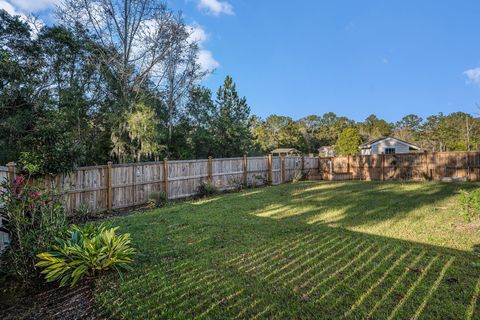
x=328 y=272
x=359 y=205
x=227 y=258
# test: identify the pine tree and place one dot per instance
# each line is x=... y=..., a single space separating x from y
x=233 y=126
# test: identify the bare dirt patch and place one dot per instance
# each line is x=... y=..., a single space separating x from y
x=49 y=303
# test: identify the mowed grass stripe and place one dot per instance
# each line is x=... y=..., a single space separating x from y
x=473 y=303
x=364 y=296
x=276 y=258
x=349 y=263
x=412 y=288
x=297 y=258
x=362 y=266
x=328 y=248
x=312 y=263
x=433 y=288
x=395 y=285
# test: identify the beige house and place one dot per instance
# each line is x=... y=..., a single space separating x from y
x=326 y=151
x=387 y=145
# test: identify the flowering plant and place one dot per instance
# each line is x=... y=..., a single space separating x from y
x=34 y=216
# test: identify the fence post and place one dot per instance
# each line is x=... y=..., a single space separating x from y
x=11 y=166
x=134 y=186
x=109 y=187
x=426 y=166
x=245 y=168
x=269 y=175
x=303 y=164
x=210 y=171
x=319 y=159
x=348 y=164
x=383 y=167
x=282 y=167
x=467 y=159
x=165 y=176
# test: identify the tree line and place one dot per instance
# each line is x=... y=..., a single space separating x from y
x=121 y=81
x=457 y=131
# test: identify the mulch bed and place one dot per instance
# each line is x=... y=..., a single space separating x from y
x=49 y=303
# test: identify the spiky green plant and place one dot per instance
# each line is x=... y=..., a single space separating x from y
x=88 y=251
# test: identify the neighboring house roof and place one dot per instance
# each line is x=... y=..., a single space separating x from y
x=368 y=145
x=285 y=150
x=327 y=148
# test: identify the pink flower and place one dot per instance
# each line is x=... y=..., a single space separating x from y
x=35 y=195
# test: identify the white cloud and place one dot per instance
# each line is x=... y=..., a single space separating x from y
x=473 y=76
x=32 y=6
x=197 y=34
x=8 y=7
x=205 y=57
x=35 y=24
x=207 y=61
x=216 y=7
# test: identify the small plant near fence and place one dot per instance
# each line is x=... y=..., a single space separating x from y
x=470 y=204
x=34 y=217
x=86 y=252
x=207 y=189
x=82 y=214
x=300 y=175
x=157 y=199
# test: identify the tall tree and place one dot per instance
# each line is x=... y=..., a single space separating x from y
x=309 y=127
x=408 y=128
x=147 y=52
x=198 y=124
x=374 y=127
x=233 y=124
x=278 y=131
x=348 y=142
x=330 y=128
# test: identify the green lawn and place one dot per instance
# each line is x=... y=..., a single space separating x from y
x=308 y=250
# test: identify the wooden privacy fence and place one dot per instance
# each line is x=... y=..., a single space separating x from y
x=118 y=186
x=441 y=166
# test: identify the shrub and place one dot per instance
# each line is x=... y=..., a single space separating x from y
x=87 y=251
x=470 y=203
x=33 y=216
x=157 y=199
x=82 y=214
x=207 y=189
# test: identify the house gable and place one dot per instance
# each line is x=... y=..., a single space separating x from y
x=387 y=145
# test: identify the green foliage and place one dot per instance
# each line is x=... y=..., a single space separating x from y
x=82 y=214
x=86 y=252
x=207 y=189
x=63 y=103
x=233 y=124
x=277 y=132
x=348 y=142
x=469 y=201
x=34 y=216
x=158 y=199
x=373 y=128
x=136 y=136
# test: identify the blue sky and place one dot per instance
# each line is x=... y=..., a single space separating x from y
x=354 y=58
